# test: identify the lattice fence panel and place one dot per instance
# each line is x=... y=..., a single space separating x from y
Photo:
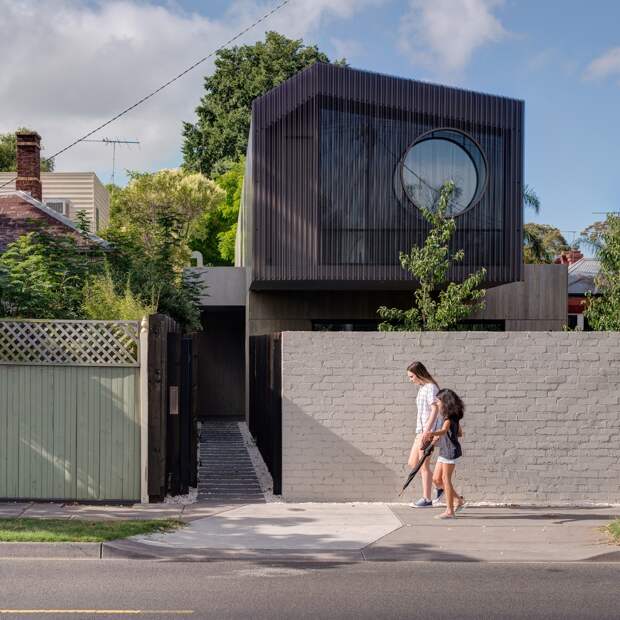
x=72 y=343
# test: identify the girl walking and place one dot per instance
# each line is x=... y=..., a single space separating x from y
x=427 y=420
x=451 y=409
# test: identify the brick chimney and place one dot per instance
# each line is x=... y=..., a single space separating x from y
x=570 y=257
x=29 y=163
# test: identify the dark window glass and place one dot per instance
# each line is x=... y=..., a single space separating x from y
x=345 y=326
x=441 y=156
x=474 y=325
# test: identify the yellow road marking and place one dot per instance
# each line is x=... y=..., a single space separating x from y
x=101 y=612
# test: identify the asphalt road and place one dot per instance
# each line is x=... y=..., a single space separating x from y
x=248 y=590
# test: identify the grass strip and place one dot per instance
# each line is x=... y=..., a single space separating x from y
x=614 y=529
x=66 y=530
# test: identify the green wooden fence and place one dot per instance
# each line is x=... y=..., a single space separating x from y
x=70 y=415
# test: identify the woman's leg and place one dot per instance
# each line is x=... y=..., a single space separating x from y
x=448 y=470
x=415 y=454
x=427 y=479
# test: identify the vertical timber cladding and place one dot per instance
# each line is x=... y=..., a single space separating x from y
x=69 y=410
x=327 y=149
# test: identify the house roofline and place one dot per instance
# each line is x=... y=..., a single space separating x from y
x=26 y=197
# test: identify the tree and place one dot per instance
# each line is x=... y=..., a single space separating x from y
x=215 y=231
x=603 y=311
x=151 y=222
x=593 y=235
x=8 y=154
x=542 y=243
x=531 y=199
x=42 y=276
x=438 y=304
x=241 y=74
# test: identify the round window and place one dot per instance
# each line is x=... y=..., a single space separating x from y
x=440 y=156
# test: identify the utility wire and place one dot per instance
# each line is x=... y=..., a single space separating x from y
x=168 y=83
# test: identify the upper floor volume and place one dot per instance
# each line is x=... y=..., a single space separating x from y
x=340 y=162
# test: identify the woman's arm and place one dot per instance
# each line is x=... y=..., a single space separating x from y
x=430 y=424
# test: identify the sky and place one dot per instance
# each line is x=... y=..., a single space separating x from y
x=68 y=66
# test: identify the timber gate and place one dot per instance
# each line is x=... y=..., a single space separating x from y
x=265 y=421
x=172 y=373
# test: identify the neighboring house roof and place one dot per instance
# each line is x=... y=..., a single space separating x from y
x=581 y=275
x=15 y=197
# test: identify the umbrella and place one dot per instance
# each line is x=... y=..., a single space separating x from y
x=427 y=452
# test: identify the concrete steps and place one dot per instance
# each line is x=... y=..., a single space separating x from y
x=225 y=472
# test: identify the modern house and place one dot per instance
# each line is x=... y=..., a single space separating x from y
x=340 y=163
x=22 y=210
x=68 y=193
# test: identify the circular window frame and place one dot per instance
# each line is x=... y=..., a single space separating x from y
x=427 y=135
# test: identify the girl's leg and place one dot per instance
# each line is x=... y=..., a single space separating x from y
x=415 y=454
x=438 y=476
x=448 y=470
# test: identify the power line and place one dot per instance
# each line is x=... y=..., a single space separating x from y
x=168 y=83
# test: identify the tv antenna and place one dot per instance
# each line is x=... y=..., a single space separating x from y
x=113 y=142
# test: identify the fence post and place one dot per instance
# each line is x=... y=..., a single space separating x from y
x=144 y=410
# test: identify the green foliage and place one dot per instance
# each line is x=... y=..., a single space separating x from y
x=82 y=221
x=542 y=243
x=42 y=276
x=241 y=74
x=8 y=157
x=438 y=304
x=151 y=222
x=103 y=301
x=214 y=232
x=592 y=235
x=531 y=199
x=603 y=311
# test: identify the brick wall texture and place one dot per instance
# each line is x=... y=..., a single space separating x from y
x=541 y=425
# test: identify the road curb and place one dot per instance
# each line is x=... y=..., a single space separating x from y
x=64 y=551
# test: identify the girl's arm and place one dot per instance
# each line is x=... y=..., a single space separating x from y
x=442 y=431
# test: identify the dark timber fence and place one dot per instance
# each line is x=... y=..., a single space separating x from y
x=172 y=420
x=266 y=402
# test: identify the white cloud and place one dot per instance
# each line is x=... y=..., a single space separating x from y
x=346 y=48
x=68 y=66
x=442 y=35
x=605 y=65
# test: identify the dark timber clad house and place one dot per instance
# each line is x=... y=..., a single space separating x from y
x=339 y=163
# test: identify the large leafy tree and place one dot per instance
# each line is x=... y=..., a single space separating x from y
x=8 y=159
x=151 y=222
x=438 y=303
x=215 y=230
x=593 y=235
x=542 y=243
x=241 y=74
x=603 y=311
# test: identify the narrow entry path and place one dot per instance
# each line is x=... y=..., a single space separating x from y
x=225 y=472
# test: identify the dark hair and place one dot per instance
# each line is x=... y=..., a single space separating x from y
x=419 y=370
x=453 y=408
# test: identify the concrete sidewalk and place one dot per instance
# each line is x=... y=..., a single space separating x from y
x=354 y=532
x=346 y=532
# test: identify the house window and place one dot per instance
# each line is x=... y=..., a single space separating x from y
x=345 y=326
x=96 y=219
x=441 y=156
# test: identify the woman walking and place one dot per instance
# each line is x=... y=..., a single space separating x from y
x=427 y=420
x=451 y=409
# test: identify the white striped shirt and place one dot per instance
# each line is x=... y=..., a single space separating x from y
x=425 y=398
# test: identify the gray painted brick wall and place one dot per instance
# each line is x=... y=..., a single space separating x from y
x=542 y=420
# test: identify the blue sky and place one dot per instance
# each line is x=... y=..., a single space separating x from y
x=91 y=59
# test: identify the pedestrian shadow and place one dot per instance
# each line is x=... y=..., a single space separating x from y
x=556 y=518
